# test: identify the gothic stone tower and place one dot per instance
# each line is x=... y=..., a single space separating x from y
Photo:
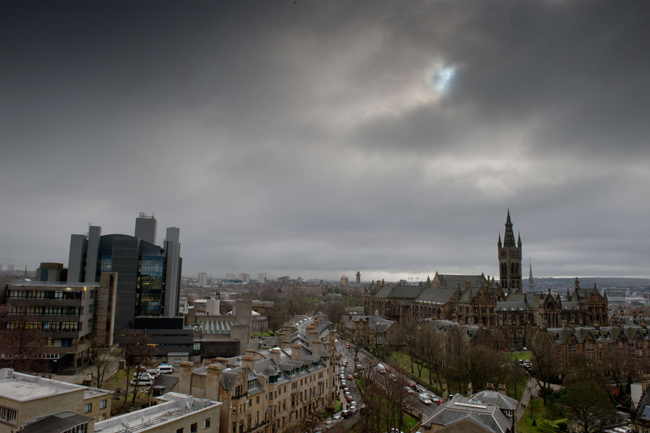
x=510 y=259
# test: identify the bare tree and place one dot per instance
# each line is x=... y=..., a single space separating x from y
x=616 y=361
x=456 y=359
x=334 y=311
x=102 y=360
x=137 y=353
x=545 y=366
x=22 y=341
x=405 y=337
x=587 y=397
x=431 y=342
x=372 y=421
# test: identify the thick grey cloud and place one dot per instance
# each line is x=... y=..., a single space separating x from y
x=317 y=138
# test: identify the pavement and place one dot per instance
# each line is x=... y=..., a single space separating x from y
x=525 y=398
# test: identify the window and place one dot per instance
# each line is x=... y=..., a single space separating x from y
x=206 y=423
x=9 y=415
x=102 y=404
x=194 y=428
x=180 y=430
x=88 y=407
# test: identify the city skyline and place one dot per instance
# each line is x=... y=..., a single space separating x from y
x=321 y=139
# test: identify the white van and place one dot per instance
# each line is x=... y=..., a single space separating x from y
x=165 y=368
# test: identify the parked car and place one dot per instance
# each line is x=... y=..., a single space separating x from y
x=346 y=413
x=142 y=375
x=409 y=390
x=350 y=377
x=380 y=368
x=142 y=379
x=424 y=398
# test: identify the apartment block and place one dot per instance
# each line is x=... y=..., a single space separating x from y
x=269 y=390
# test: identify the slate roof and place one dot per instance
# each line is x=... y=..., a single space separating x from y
x=167 y=381
x=571 y=305
x=458 y=408
x=495 y=398
x=452 y=281
x=516 y=297
x=436 y=296
x=468 y=294
x=644 y=408
x=377 y=323
x=56 y=423
x=384 y=291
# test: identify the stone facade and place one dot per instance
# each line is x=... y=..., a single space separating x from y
x=368 y=330
x=604 y=347
x=270 y=389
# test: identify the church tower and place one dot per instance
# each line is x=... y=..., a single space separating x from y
x=509 y=259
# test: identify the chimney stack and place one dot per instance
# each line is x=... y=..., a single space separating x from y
x=275 y=355
x=213 y=385
x=296 y=352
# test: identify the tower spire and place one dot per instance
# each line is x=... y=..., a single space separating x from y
x=510 y=258
x=531 y=282
x=509 y=235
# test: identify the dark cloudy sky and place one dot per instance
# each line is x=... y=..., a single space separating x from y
x=318 y=138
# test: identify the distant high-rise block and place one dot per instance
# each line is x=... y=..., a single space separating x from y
x=148 y=282
x=261 y=277
x=231 y=276
x=358 y=277
x=203 y=279
x=246 y=278
x=145 y=228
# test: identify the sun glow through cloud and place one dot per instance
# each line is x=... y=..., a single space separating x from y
x=440 y=77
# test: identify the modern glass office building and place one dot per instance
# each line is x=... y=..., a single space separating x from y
x=148 y=276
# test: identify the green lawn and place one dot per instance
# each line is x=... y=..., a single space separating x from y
x=535 y=411
x=515 y=356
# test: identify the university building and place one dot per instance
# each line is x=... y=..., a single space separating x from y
x=149 y=274
x=57 y=322
x=482 y=301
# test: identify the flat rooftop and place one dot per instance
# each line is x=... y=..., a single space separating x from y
x=172 y=407
x=24 y=387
